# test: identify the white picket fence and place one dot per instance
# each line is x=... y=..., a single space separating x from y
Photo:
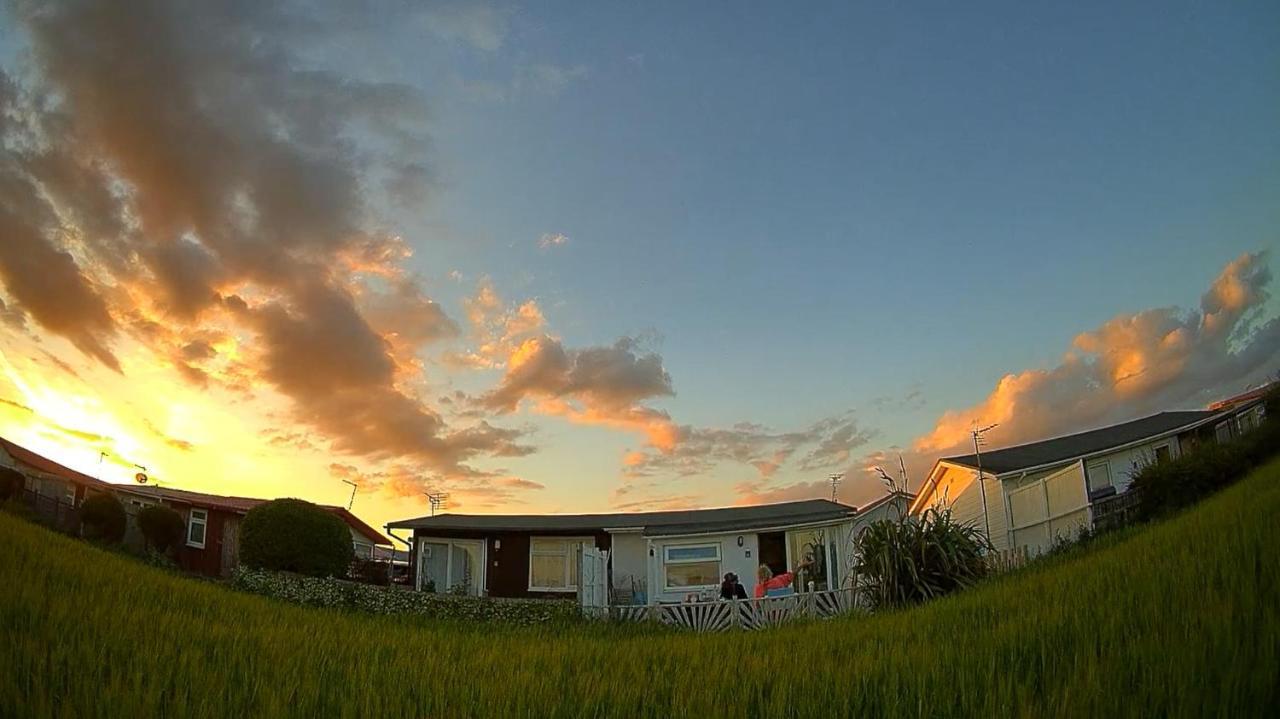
x=724 y=615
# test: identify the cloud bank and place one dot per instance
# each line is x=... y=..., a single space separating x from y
x=179 y=175
x=1132 y=365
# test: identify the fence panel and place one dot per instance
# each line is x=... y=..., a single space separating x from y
x=52 y=511
x=1116 y=511
x=748 y=614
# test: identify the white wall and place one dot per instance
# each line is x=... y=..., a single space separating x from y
x=360 y=544
x=629 y=558
x=1124 y=463
x=964 y=497
x=742 y=561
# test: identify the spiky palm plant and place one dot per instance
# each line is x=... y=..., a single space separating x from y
x=916 y=558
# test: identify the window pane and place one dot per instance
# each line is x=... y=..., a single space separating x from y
x=1099 y=476
x=549 y=544
x=195 y=533
x=682 y=554
x=810 y=546
x=1223 y=432
x=464 y=569
x=547 y=571
x=693 y=574
x=433 y=563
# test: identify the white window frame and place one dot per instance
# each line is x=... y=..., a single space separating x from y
x=203 y=521
x=570 y=555
x=1090 y=468
x=1155 y=451
x=480 y=581
x=667 y=561
x=1217 y=432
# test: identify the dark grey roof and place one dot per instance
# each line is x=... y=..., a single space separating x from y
x=1074 y=446
x=653 y=523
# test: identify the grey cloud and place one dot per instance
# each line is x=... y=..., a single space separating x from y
x=614 y=377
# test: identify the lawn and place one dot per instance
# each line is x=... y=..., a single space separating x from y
x=1176 y=619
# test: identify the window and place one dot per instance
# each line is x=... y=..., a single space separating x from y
x=691 y=566
x=553 y=563
x=1251 y=419
x=1223 y=432
x=453 y=566
x=1162 y=454
x=1099 y=476
x=197 y=524
x=809 y=545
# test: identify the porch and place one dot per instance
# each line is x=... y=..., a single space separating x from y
x=682 y=575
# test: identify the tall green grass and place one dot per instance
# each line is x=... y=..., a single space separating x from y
x=1178 y=619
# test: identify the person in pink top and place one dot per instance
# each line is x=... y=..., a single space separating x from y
x=766 y=580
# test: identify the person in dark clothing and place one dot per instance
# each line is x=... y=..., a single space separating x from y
x=731 y=588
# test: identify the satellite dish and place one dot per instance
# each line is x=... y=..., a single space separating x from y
x=140 y=477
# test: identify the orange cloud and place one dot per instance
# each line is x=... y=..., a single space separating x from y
x=1131 y=365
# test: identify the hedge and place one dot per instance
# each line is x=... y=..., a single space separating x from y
x=161 y=526
x=293 y=535
x=1173 y=484
x=330 y=593
x=103 y=517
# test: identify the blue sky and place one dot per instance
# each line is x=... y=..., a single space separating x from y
x=810 y=205
x=804 y=210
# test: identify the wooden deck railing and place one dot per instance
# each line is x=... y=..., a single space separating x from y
x=1116 y=511
x=726 y=615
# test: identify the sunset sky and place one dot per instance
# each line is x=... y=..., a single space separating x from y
x=621 y=256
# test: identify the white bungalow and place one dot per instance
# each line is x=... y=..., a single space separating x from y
x=648 y=557
x=1035 y=493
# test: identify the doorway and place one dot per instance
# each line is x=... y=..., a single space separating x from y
x=773 y=551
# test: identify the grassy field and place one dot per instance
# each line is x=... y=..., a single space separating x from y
x=1179 y=619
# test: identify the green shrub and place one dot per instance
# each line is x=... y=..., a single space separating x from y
x=913 y=559
x=161 y=527
x=1262 y=443
x=1201 y=470
x=103 y=517
x=1271 y=400
x=12 y=482
x=292 y=535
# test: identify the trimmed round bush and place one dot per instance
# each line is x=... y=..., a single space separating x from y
x=11 y=483
x=103 y=517
x=161 y=527
x=292 y=535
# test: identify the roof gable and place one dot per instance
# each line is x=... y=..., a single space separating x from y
x=43 y=464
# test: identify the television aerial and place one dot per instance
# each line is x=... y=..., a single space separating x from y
x=437 y=500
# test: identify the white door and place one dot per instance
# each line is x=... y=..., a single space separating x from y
x=593 y=577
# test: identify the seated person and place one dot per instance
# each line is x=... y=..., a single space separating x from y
x=731 y=588
x=766 y=580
